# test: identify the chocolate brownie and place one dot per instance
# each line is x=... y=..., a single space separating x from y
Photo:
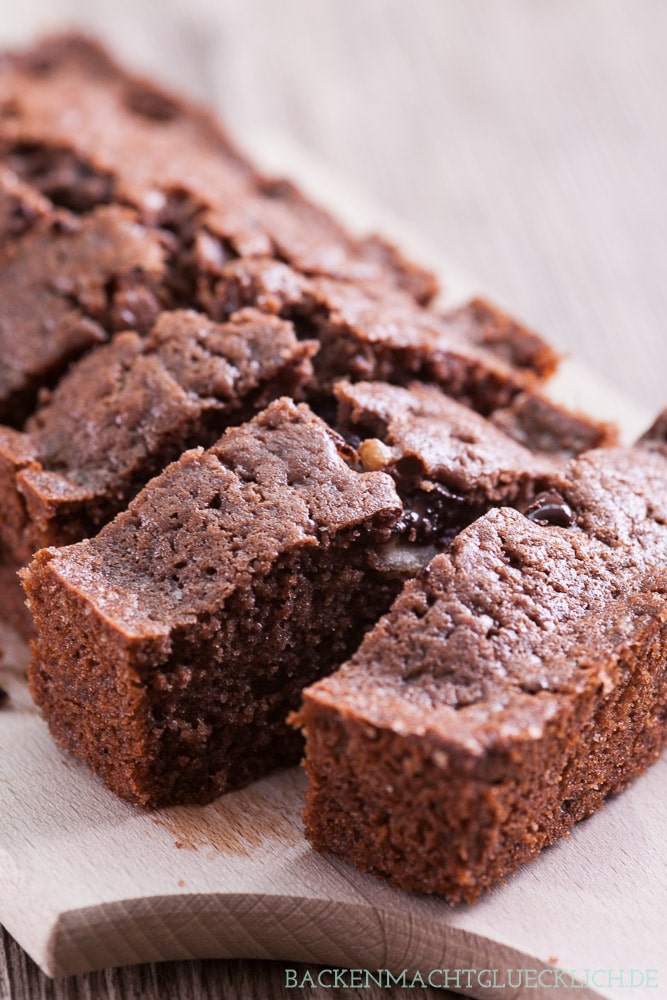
x=543 y=426
x=369 y=331
x=172 y=645
x=448 y=465
x=488 y=326
x=84 y=132
x=125 y=411
x=513 y=686
x=64 y=286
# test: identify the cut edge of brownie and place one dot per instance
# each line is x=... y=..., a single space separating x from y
x=172 y=646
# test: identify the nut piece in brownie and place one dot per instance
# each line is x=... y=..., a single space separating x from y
x=64 y=286
x=516 y=683
x=450 y=465
x=122 y=413
x=172 y=645
x=85 y=133
x=369 y=331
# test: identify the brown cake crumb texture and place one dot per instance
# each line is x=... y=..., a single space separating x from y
x=144 y=206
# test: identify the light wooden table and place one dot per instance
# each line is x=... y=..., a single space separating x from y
x=526 y=139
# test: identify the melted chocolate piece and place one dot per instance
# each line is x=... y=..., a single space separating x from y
x=550 y=510
x=434 y=517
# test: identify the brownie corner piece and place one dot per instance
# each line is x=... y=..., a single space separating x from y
x=513 y=686
x=171 y=647
x=490 y=327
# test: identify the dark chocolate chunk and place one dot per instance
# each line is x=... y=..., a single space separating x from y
x=550 y=509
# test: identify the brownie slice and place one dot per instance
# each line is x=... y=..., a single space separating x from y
x=64 y=286
x=369 y=331
x=489 y=327
x=514 y=685
x=85 y=132
x=125 y=411
x=537 y=422
x=171 y=646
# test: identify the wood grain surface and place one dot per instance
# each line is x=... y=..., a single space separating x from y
x=526 y=139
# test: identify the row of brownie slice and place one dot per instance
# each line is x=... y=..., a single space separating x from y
x=244 y=572
x=98 y=239
x=119 y=202
x=159 y=290
x=515 y=683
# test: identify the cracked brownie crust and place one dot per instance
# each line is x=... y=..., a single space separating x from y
x=64 y=287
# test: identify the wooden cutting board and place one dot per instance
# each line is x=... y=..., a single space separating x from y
x=87 y=881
